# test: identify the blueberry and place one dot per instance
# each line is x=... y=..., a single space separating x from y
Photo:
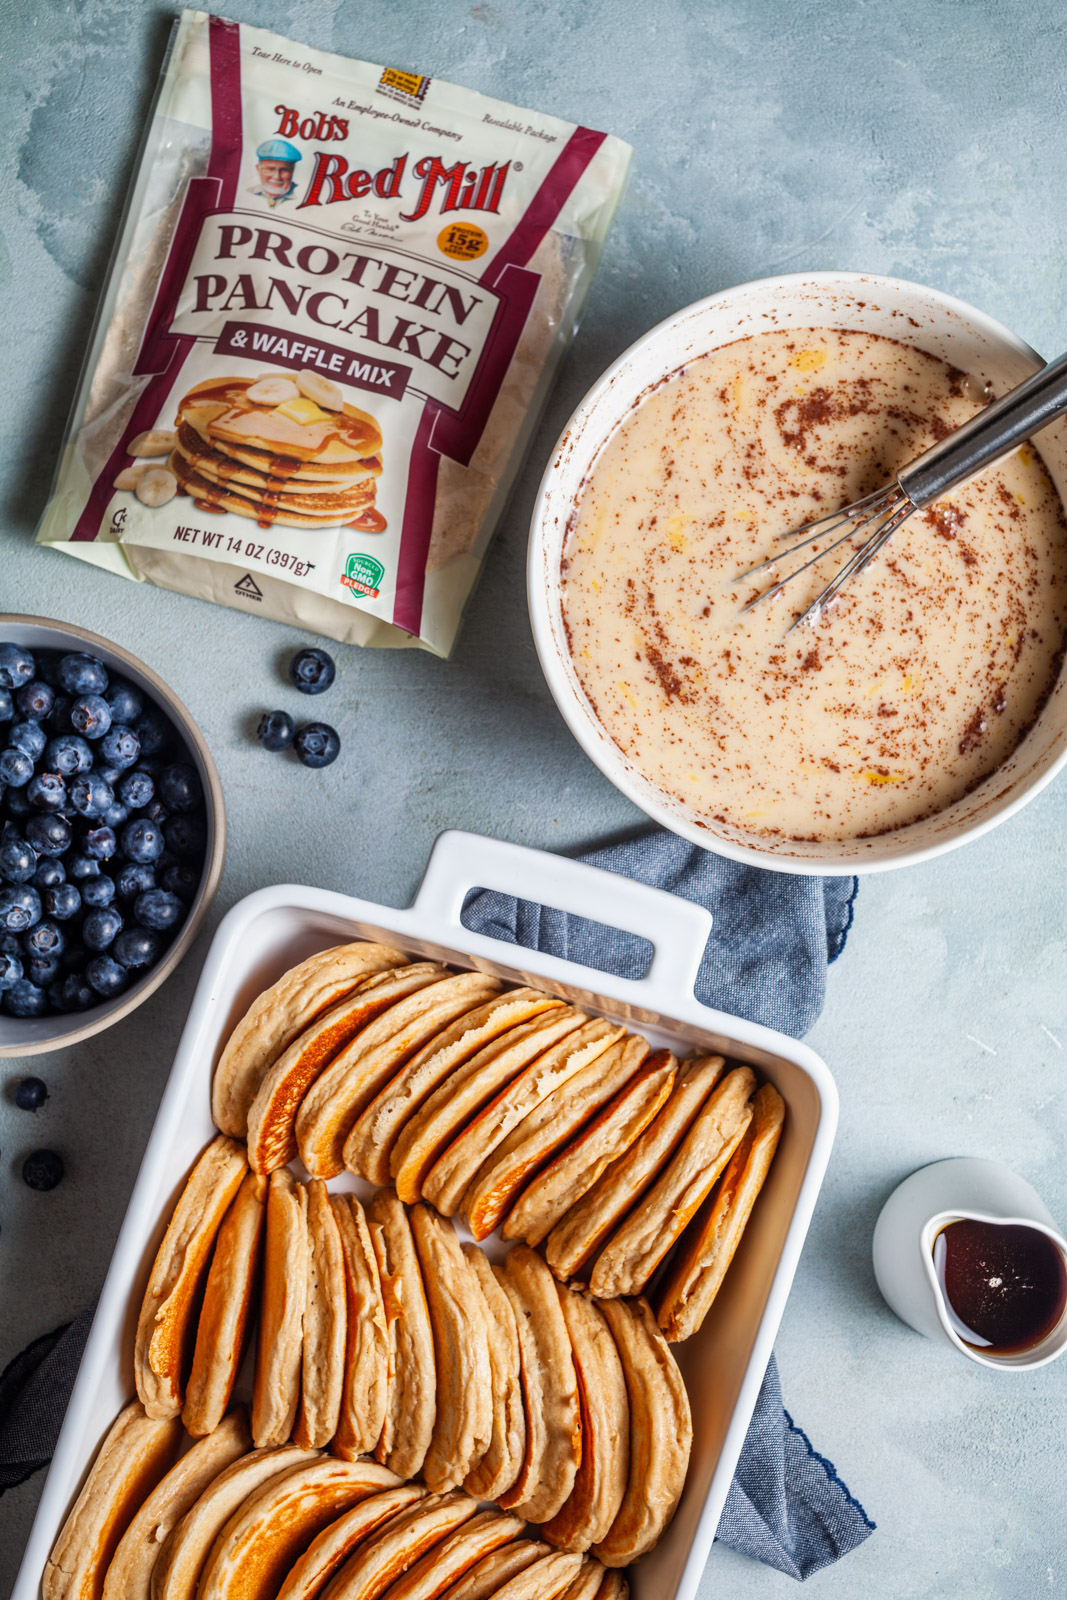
x=43 y=970
x=68 y=754
x=137 y=947
x=316 y=744
x=185 y=835
x=55 y=996
x=136 y=789
x=16 y=770
x=142 y=841
x=156 y=812
x=116 y=815
x=16 y=800
x=179 y=787
x=80 y=867
x=45 y=939
x=101 y=928
x=276 y=729
x=79 y=673
x=43 y=1170
x=126 y=702
x=30 y=1094
x=109 y=774
x=50 y=872
x=18 y=860
x=10 y=971
x=106 y=976
x=20 y=908
x=120 y=747
x=28 y=737
x=182 y=881
x=7 y=705
x=10 y=944
x=24 y=999
x=91 y=715
x=59 y=720
x=90 y=795
x=98 y=891
x=134 y=879
x=312 y=671
x=48 y=666
x=77 y=993
x=47 y=791
x=63 y=901
x=158 y=909
x=153 y=730
x=50 y=836
x=35 y=700
x=16 y=666
x=99 y=843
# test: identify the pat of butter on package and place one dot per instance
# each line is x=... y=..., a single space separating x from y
x=337 y=302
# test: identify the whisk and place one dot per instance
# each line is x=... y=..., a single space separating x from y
x=988 y=436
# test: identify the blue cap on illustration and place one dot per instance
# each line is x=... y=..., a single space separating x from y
x=277 y=150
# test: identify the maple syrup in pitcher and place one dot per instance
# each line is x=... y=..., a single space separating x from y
x=1005 y=1284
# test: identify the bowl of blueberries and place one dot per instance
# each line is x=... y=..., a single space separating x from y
x=112 y=833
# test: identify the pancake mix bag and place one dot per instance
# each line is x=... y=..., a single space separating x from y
x=337 y=302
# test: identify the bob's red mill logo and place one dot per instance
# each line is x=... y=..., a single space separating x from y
x=459 y=187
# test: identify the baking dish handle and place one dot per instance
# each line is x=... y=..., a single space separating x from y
x=677 y=929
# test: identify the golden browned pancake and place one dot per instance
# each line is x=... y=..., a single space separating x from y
x=613 y=1586
x=253 y=467
x=605 y=1415
x=332 y=1547
x=550 y=1390
x=228 y=1309
x=487 y=1576
x=369 y=1146
x=464 y=1420
x=411 y=1405
x=463 y=1093
x=453 y=1556
x=129 y=1577
x=545 y=1579
x=289 y=508
x=578 y=1235
x=661 y=1433
x=323 y=1369
x=696 y=1277
x=134 y=1456
x=279 y=1353
x=584 y=1157
x=276 y=1016
x=586 y=1585
x=500 y=1465
x=166 y=1326
x=383 y=1558
x=366 y=1388
x=273 y=1112
x=632 y=1255
x=262 y=1540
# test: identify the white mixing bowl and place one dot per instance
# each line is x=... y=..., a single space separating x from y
x=915 y=315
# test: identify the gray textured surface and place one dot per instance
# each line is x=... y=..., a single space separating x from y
x=919 y=140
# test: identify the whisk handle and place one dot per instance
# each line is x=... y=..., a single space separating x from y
x=993 y=433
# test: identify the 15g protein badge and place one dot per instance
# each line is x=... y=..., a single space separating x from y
x=337 y=303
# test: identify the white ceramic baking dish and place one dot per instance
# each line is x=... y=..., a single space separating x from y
x=274 y=928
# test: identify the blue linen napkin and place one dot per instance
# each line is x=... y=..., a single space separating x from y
x=773 y=935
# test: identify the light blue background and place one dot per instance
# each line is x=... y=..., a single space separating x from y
x=920 y=139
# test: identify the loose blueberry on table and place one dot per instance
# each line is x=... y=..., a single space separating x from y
x=312 y=671
x=43 y=1170
x=30 y=1094
x=317 y=744
x=103 y=833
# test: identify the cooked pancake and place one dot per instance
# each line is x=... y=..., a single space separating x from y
x=464 y=1421
x=411 y=1405
x=228 y=1309
x=369 y=1146
x=605 y=1415
x=545 y=1579
x=586 y=1586
x=289 y=490
x=446 y=1562
x=366 y=1388
x=262 y=1540
x=632 y=1255
x=166 y=1327
x=323 y=1369
x=332 y=1547
x=577 y=1236
x=499 y=1466
x=181 y=1560
x=453 y=1170
x=696 y=1277
x=380 y=1560
x=661 y=1433
x=279 y=1354
x=258 y=468
x=276 y=1016
x=373 y=1059
x=543 y=1130
x=550 y=1389
x=290 y=510
x=273 y=1112
x=613 y=1586
x=222 y=414
x=134 y=1456
x=129 y=1577
x=486 y=1577
x=584 y=1157
x=425 y=1135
